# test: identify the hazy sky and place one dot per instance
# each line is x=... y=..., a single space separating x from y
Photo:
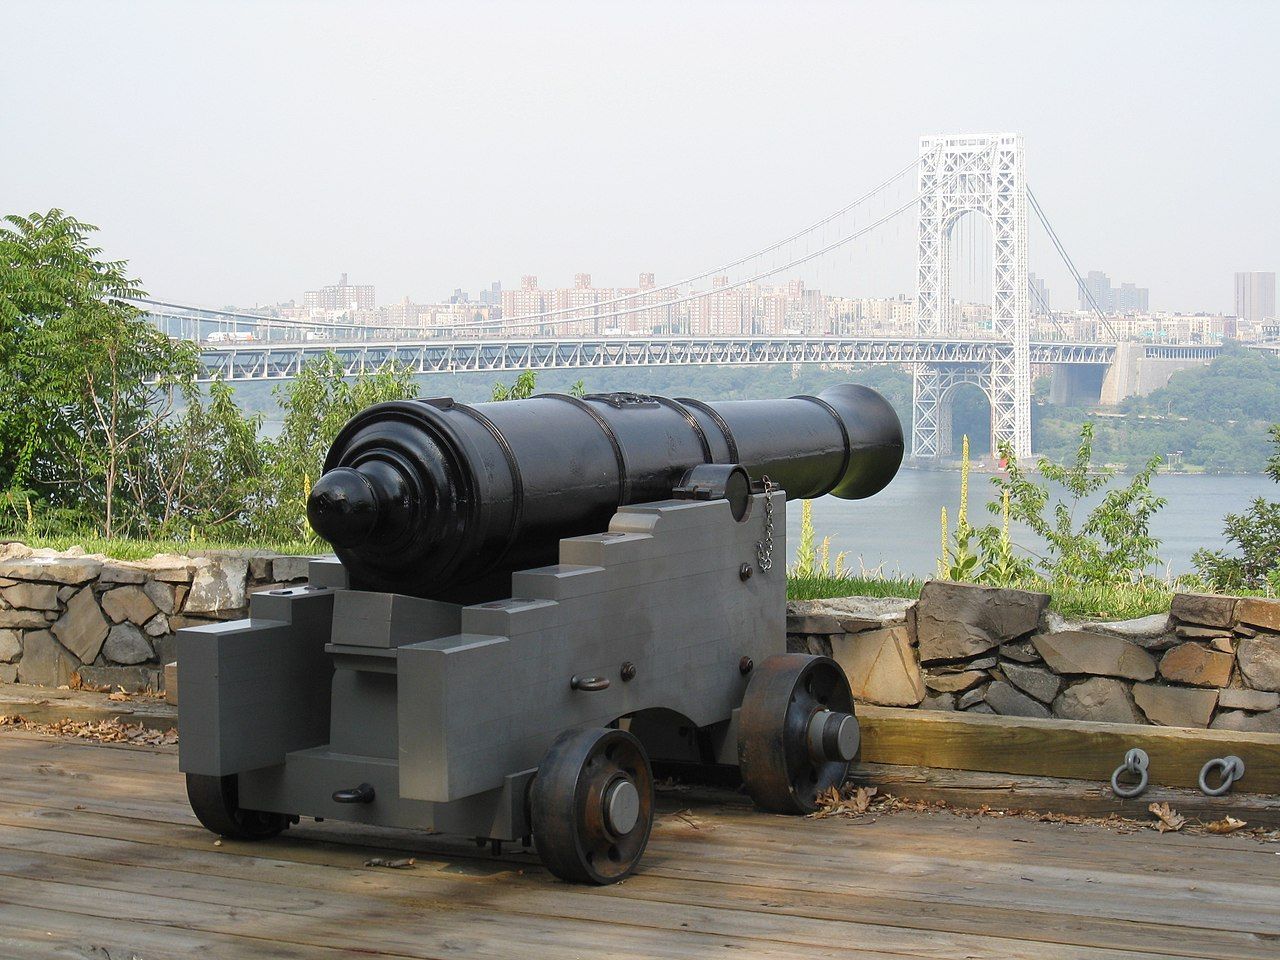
x=243 y=152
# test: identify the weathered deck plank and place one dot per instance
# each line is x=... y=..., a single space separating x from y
x=98 y=849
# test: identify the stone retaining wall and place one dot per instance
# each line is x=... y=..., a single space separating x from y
x=1211 y=662
x=77 y=620
x=70 y=619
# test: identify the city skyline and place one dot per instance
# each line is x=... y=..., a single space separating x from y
x=476 y=160
x=1254 y=296
x=717 y=309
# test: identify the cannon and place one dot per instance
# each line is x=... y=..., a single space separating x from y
x=529 y=603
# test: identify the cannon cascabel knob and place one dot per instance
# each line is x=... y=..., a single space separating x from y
x=352 y=506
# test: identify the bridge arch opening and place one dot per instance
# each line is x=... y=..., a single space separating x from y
x=967 y=411
x=969 y=281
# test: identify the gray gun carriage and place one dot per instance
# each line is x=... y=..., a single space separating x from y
x=531 y=601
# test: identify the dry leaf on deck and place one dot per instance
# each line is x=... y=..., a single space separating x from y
x=850 y=802
x=119 y=696
x=1227 y=824
x=1170 y=819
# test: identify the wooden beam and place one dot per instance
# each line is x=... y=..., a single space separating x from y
x=1088 y=798
x=49 y=705
x=1073 y=749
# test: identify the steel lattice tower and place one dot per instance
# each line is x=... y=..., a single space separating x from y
x=982 y=174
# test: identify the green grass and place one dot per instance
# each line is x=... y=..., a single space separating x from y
x=122 y=549
x=1109 y=601
x=820 y=586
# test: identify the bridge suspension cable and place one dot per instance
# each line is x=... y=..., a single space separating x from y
x=535 y=318
x=548 y=318
x=1066 y=259
x=883 y=185
x=253 y=317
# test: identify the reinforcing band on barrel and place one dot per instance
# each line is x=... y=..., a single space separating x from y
x=844 y=433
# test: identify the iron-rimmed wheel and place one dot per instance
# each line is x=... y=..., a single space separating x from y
x=591 y=805
x=216 y=804
x=796 y=731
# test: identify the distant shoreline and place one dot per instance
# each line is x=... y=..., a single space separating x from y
x=1123 y=470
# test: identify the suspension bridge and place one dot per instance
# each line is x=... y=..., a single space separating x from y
x=954 y=176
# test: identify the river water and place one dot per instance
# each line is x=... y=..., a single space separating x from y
x=898 y=530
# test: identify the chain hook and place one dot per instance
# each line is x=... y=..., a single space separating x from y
x=1135 y=764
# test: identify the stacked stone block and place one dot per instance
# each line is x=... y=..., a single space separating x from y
x=69 y=617
x=1210 y=662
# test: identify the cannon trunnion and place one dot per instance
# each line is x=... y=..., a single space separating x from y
x=403 y=687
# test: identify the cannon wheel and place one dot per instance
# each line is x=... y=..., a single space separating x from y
x=591 y=805
x=775 y=754
x=216 y=804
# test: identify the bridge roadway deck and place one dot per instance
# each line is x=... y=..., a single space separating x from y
x=282 y=359
x=100 y=857
x=269 y=360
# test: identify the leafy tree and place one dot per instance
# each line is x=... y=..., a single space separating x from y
x=1256 y=533
x=316 y=404
x=1238 y=384
x=1217 y=415
x=1112 y=543
x=522 y=389
x=85 y=381
x=208 y=469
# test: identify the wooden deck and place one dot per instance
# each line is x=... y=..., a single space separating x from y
x=100 y=857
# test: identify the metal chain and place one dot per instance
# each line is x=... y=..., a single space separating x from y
x=764 y=548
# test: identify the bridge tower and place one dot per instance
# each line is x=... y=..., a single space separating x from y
x=982 y=174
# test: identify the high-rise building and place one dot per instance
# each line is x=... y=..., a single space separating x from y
x=493 y=295
x=1129 y=298
x=340 y=296
x=1256 y=296
x=1039 y=296
x=1095 y=291
x=525 y=302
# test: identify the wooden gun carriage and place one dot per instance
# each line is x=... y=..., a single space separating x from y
x=530 y=601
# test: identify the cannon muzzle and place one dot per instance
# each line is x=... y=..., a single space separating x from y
x=443 y=500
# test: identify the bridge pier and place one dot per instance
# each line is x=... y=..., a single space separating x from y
x=1076 y=384
x=1136 y=372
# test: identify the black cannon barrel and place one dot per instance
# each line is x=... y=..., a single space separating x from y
x=442 y=499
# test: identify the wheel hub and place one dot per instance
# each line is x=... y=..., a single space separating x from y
x=621 y=807
x=833 y=736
